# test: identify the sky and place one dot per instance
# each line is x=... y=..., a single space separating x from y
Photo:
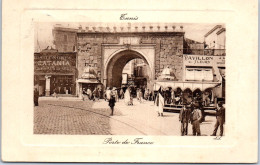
x=43 y=31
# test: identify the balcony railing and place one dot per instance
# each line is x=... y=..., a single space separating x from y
x=208 y=52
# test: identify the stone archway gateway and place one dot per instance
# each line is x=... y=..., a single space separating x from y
x=114 y=66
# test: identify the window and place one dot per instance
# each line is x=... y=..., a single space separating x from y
x=208 y=75
x=199 y=74
x=189 y=74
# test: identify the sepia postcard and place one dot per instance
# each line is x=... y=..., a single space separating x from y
x=132 y=81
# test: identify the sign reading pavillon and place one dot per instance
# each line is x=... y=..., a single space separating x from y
x=54 y=63
x=202 y=60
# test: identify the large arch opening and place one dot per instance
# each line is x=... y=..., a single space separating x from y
x=117 y=63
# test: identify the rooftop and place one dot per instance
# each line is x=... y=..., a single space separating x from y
x=124 y=28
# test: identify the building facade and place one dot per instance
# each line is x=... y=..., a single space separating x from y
x=55 y=72
x=106 y=50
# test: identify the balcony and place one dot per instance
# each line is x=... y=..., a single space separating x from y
x=207 y=52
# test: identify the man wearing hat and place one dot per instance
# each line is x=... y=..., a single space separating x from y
x=220 y=115
x=111 y=103
x=184 y=118
x=195 y=120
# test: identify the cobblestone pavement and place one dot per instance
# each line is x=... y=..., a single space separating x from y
x=70 y=117
x=92 y=118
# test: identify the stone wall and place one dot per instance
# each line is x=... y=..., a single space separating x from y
x=64 y=40
x=168 y=48
x=168 y=52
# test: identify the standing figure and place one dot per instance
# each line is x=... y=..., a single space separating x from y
x=98 y=93
x=131 y=102
x=121 y=93
x=84 y=94
x=107 y=94
x=146 y=94
x=111 y=103
x=89 y=93
x=140 y=96
x=159 y=103
x=115 y=94
x=184 y=118
x=95 y=94
x=127 y=96
x=36 y=97
x=200 y=102
x=149 y=95
x=195 y=120
x=137 y=94
x=172 y=97
x=220 y=115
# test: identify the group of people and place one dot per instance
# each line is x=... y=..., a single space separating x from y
x=91 y=95
x=192 y=114
x=181 y=98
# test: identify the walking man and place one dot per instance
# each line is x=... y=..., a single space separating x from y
x=184 y=118
x=111 y=103
x=220 y=115
x=36 y=97
x=195 y=120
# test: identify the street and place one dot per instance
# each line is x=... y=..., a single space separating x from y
x=76 y=117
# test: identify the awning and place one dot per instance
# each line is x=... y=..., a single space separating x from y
x=192 y=85
x=87 y=81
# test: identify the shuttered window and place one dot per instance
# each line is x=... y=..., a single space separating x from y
x=190 y=74
x=199 y=74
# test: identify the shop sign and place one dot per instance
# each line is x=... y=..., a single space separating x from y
x=54 y=63
x=203 y=60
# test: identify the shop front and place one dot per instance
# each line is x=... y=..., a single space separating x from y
x=90 y=79
x=206 y=69
x=55 y=73
x=203 y=82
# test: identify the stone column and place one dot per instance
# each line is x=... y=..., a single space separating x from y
x=48 y=85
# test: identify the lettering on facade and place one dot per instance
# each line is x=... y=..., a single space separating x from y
x=125 y=17
x=53 y=63
x=201 y=60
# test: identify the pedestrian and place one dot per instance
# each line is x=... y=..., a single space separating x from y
x=116 y=94
x=121 y=93
x=89 y=93
x=98 y=93
x=111 y=103
x=95 y=94
x=184 y=118
x=127 y=96
x=195 y=120
x=140 y=96
x=55 y=93
x=159 y=103
x=172 y=97
x=84 y=94
x=137 y=94
x=146 y=94
x=36 y=97
x=107 y=94
x=220 y=115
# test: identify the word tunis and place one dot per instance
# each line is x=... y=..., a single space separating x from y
x=125 y=17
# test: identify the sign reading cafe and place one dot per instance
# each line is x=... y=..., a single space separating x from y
x=202 y=60
x=54 y=63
